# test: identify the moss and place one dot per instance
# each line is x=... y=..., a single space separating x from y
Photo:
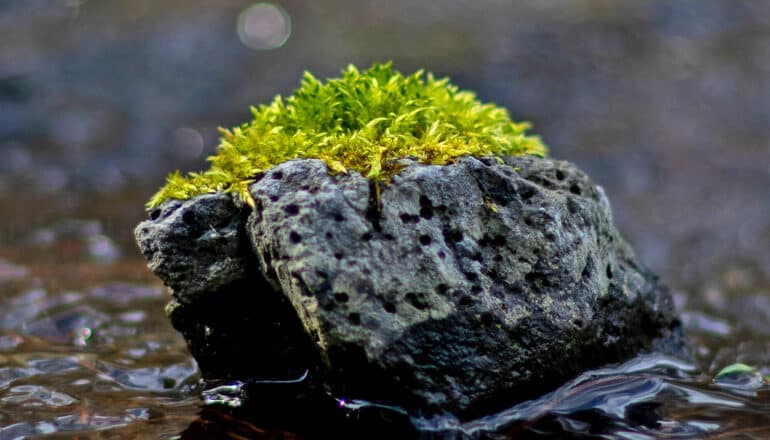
x=362 y=121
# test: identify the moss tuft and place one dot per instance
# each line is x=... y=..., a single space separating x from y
x=363 y=122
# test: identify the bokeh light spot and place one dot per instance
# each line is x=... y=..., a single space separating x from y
x=264 y=26
x=190 y=141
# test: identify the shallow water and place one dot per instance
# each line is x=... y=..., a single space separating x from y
x=663 y=103
x=86 y=350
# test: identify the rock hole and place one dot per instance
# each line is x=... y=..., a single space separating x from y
x=366 y=237
x=277 y=175
x=537 y=279
x=529 y=221
x=338 y=255
x=188 y=217
x=526 y=192
x=390 y=307
x=426 y=208
x=355 y=318
x=294 y=237
x=575 y=189
x=339 y=217
x=588 y=269
x=291 y=209
x=476 y=289
x=416 y=300
x=609 y=271
x=441 y=254
x=155 y=214
x=452 y=235
x=550 y=236
x=442 y=289
x=499 y=240
x=487 y=319
x=274 y=198
x=329 y=235
x=470 y=276
x=341 y=297
x=425 y=240
x=560 y=175
x=477 y=257
x=572 y=206
x=408 y=218
x=466 y=301
x=388 y=237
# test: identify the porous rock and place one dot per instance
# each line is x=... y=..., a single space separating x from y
x=460 y=288
x=231 y=319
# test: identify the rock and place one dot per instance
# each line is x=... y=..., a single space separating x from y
x=196 y=246
x=231 y=319
x=461 y=288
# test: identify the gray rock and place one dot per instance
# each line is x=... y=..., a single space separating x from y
x=196 y=246
x=460 y=288
x=464 y=286
x=230 y=317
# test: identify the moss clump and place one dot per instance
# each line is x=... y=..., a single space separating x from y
x=363 y=122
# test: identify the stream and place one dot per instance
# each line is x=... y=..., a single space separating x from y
x=665 y=104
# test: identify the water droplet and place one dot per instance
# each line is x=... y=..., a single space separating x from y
x=82 y=336
x=264 y=26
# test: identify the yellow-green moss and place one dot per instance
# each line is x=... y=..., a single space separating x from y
x=363 y=122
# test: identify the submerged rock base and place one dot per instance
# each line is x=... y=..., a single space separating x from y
x=460 y=288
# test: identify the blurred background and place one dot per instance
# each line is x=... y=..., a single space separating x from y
x=665 y=104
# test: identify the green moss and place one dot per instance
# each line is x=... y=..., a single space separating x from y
x=362 y=121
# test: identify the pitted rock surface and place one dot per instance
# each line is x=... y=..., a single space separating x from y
x=196 y=246
x=460 y=287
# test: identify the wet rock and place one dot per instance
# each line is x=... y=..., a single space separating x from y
x=235 y=325
x=196 y=246
x=461 y=288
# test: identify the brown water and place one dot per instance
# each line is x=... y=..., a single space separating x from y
x=86 y=351
x=84 y=344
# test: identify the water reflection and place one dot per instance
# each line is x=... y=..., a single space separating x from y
x=85 y=346
x=90 y=356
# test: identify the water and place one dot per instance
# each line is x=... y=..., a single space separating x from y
x=663 y=103
x=86 y=350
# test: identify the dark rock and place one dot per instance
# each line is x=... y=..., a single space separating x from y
x=235 y=324
x=196 y=246
x=463 y=287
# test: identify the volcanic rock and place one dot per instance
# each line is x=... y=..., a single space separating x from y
x=460 y=288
